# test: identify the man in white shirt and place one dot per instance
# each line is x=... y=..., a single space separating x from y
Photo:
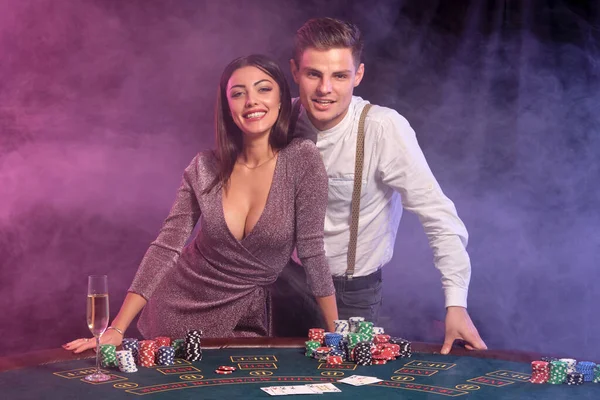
x=327 y=68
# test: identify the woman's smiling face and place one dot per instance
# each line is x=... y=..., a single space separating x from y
x=254 y=100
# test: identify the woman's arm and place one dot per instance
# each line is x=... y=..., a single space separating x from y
x=131 y=307
x=311 y=203
x=328 y=307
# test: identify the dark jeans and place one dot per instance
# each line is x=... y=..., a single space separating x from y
x=295 y=310
x=359 y=297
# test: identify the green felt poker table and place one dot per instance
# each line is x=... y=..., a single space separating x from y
x=263 y=362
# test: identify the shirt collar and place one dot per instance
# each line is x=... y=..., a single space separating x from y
x=339 y=128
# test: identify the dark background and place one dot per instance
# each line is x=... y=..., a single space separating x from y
x=103 y=103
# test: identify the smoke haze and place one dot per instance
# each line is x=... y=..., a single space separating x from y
x=104 y=103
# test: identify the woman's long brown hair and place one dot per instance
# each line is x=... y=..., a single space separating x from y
x=229 y=137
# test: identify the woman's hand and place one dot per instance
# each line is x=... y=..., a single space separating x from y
x=132 y=305
x=110 y=336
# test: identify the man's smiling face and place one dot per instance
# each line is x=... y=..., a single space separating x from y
x=326 y=79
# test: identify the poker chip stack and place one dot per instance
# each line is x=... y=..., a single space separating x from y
x=540 y=372
x=147 y=356
x=381 y=338
x=405 y=347
x=193 y=349
x=362 y=347
x=362 y=354
x=353 y=322
x=571 y=364
x=108 y=356
x=558 y=372
x=337 y=352
x=316 y=334
x=126 y=361
x=311 y=346
x=335 y=360
x=342 y=326
x=163 y=341
x=165 y=355
x=351 y=341
x=377 y=330
x=345 y=347
x=597 y=374
x=321 y=353
x=365 y=330
x=133 y=345
x=225 y=370
x=395 y=348
x=382 y=354
x=574 y=378
x=179 y=346
x=586 y=368
x=378 y=361
x=333 y=340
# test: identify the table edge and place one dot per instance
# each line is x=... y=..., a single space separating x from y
x=51 y=356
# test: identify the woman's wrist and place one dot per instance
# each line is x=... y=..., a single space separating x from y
x=114 y=328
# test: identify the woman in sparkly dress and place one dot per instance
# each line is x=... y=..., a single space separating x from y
x=258 y=196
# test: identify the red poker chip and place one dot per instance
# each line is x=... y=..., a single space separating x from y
x=227 y=368
x=223 y=372
x=379 y=362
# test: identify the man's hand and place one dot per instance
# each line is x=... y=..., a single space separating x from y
x=460 y=326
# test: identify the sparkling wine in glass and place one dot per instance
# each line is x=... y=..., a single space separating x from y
x=97 y=318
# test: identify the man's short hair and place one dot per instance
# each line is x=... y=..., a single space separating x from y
x=328 y=33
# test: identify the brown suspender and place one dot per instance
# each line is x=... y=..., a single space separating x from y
x=358 y=169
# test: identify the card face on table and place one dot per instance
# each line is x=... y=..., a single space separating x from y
x=287 y=390
x=324 y=387
x=359 y=380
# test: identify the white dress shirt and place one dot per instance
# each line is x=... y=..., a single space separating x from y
x=395 y=176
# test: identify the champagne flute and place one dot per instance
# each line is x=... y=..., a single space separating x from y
x=97 y=318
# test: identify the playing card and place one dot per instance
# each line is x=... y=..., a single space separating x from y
x=324 y=387
x=359 y=380
x=287 y=390
x=273 y=391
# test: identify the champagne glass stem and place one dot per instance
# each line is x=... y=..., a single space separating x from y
x=98 y=354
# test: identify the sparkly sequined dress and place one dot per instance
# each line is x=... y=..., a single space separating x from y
x=218 y=283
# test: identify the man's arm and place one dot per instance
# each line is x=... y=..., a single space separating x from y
x=403 y=167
